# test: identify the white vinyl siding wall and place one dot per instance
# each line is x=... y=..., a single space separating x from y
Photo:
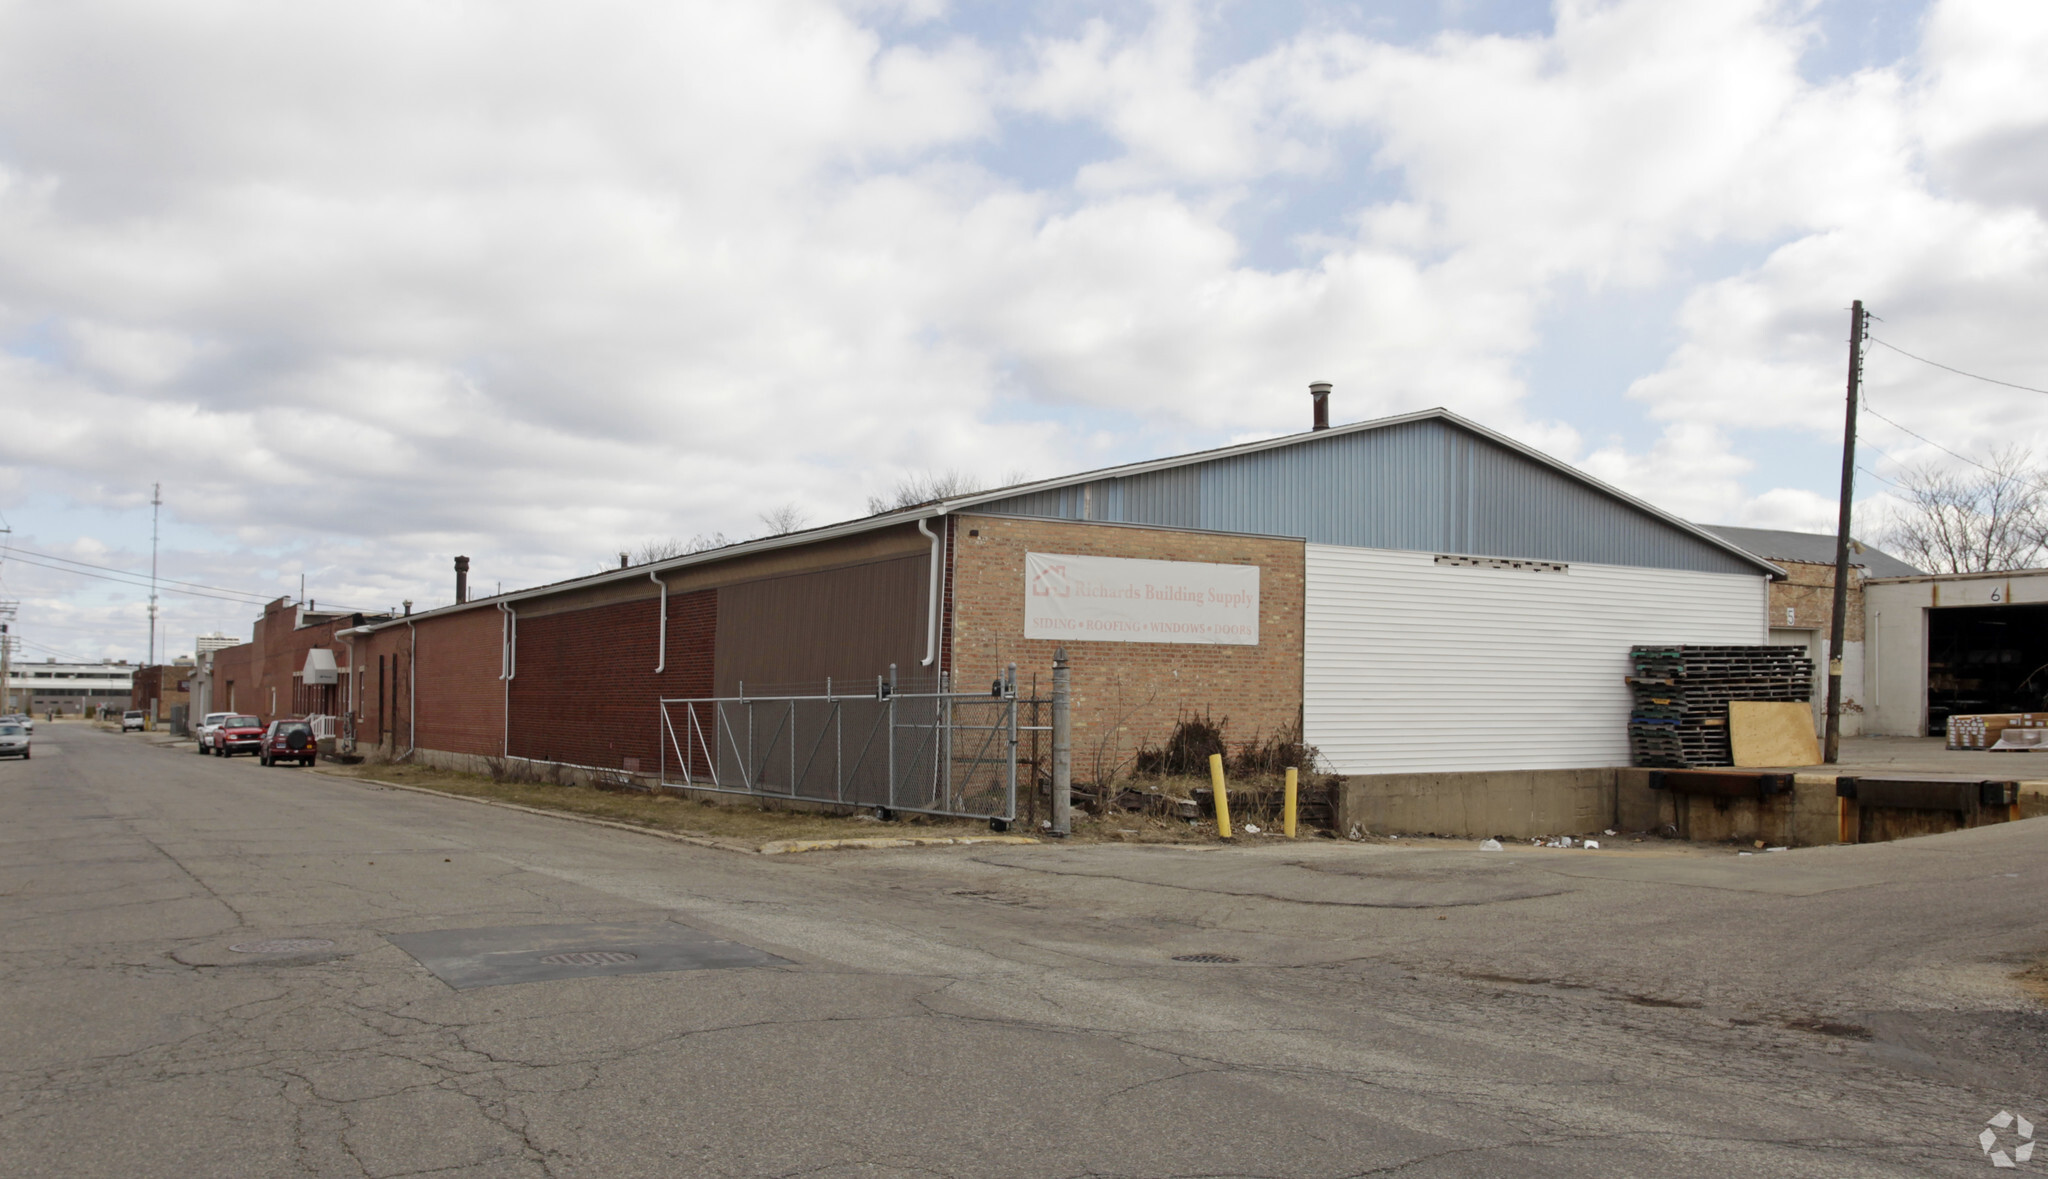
x=1413 y=666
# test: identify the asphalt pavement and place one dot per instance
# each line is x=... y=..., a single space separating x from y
x=212 y=968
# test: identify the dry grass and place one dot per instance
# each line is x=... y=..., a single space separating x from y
x=730 y=820
x=741 y=822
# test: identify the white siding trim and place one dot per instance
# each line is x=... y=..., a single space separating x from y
x=1411 y=666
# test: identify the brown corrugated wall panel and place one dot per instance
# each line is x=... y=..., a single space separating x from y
x=785 y=635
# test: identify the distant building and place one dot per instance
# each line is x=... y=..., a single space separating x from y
x=69 y=688
x=207 y=644
x=1802 y=606
x=164 y=691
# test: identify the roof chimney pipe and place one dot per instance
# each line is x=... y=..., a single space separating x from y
x=1320 y=390
x=461 y=580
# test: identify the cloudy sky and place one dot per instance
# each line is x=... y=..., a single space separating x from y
x=366 y=285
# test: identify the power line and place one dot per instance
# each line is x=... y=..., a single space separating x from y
x=218 y=589
x=1867 y=408
x=127 y=581
x=1955 y=370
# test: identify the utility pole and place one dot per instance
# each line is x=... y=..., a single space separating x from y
x=156 y=507
x=7 y=610
x=1838 y=617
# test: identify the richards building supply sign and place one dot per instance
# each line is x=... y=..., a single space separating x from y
x=1121 y=600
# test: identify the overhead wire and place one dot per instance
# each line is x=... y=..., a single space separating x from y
x=1872 y=411
x=199 y=585
x=1951 y=368
x=234 y=596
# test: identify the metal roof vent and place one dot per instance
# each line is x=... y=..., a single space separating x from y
x=1320 y=390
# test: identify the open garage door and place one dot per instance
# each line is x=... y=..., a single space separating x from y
x=1985 y=659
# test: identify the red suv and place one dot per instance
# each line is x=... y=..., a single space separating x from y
x=238 y=734
x=287 y=740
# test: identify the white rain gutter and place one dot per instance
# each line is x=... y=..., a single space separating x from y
x=661 y=660
x=931 y=626
x=355 y=687
x=508 y=662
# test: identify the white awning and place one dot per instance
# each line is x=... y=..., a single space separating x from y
x=320 y=667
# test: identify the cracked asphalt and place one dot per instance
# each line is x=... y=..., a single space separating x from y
x=986 y=1011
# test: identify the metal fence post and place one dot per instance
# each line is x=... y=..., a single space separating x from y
x=1062 y=747
x=1010 y=690
x=892 y=738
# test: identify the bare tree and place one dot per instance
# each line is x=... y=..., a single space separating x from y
x=1975 y=521
x=661 y=550
x=926 y=486
x=783 y=520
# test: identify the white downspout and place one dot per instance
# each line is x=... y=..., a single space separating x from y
x=661 y=660
x=931 y=626
x=509 y=660
x=355 y=689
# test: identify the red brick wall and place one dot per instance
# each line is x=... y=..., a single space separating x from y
x=585 y=693
x=234 y=677
x=1129 y=694
x=461 y=698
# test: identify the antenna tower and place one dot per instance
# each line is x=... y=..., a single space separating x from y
x=156 y=506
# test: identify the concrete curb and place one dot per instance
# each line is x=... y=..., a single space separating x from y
x=784 y=847
x=571 y=816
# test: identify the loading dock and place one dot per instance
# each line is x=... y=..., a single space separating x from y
x=1954 y=644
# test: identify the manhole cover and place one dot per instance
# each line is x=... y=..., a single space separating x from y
x=283 y=945
x=1203 y=958
x=590 y=958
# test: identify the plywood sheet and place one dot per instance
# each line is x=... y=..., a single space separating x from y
x=1772 y=733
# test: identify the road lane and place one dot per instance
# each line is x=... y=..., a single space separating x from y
x=977 y=1011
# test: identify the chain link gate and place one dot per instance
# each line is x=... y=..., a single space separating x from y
x=935 y=753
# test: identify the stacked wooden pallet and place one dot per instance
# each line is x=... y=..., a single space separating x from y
x=1679 y=718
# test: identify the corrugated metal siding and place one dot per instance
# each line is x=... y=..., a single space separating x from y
x=785 y=635
x=1425 y=486
x=1411 y=666
x=1170 y=499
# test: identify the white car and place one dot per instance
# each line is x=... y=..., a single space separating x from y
x=134 y=719
x=208 y=726
x=13 y=740
x=23 y=719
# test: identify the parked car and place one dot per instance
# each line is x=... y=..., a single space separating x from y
x=238 y=734
x=133 y=719
x=13 y=740
x=23 y=719
x=287 y=740
x=208 y=726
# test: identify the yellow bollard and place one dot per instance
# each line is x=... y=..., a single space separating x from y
x=1287 y=813
x=1222 y=795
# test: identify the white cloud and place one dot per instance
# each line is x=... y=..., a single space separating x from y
x=369 y=284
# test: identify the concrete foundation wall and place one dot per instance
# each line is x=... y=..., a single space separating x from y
x=1520 y=804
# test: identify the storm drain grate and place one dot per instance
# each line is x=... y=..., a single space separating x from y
x=283 y=945
x=591 y=958
x=1203 y=958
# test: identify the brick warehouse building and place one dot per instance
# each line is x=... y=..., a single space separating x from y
x=1419 y=593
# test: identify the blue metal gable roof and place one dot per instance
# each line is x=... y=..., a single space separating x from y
x=1429 y=482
